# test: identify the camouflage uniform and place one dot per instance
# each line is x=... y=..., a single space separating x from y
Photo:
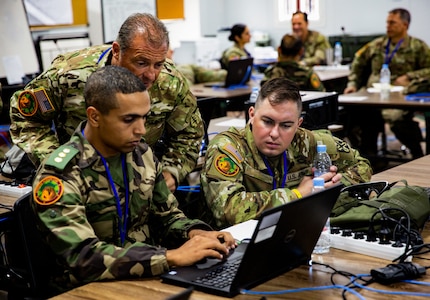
x=236 y=181
x=233 y=52
x=84 y=219
x=303 y=76
x=197 y=74
x=315 y=46
x=174 y=117
x=413 y=59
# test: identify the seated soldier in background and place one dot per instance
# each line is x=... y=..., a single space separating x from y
x=314 y=42
x=289 y=53
x=269 y=162
x=197 y=74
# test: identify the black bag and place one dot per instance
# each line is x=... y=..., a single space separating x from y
x=362 y=205
x=17 y=165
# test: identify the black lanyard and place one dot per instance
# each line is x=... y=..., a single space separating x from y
x=269 y=169
x=388 y=55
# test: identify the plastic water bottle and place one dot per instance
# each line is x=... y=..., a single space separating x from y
x=338 y=54
x=385 y=81
x=254 y=94
x=322 y=161
x=324 y=241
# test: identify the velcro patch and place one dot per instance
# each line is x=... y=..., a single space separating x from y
x=27 y=104
x=226 y=166
x=45 y=103
x=233 y=151
x=48 y=191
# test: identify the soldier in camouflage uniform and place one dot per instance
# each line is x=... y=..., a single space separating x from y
x=197 y=74
x=103 y=194
x=314 y=42
x=269 y=162
x=409 y=63
x=240 y=35
x=175 y=127
x=289 y=53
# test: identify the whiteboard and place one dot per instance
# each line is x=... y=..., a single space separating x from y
x=116 y=12
x=16 y=43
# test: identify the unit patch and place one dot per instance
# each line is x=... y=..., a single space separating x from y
x=226 y=166
x=27 y=104
x=48 y=191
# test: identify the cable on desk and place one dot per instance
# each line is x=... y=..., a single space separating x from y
x=317 y=288
x=386 y=291
x=189 y=188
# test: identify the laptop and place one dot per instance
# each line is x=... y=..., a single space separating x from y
x=283 y=239
x=238 y=73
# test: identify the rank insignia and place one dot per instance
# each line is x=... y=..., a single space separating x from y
x=226 y=166
x=27 y=104
x=48 y=191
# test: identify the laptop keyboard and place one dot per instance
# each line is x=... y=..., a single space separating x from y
x=221 y=276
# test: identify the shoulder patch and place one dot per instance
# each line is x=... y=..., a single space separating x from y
x=315 y=81
x=48 y=191
x=226 y=166
x=45 y=104
x=27 y=104
x=61 y=157
x=233 y=151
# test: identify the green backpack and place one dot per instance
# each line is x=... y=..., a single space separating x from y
x=360 y=205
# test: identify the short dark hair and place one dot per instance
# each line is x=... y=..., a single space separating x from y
x=235 y=31
x=305 y=15
x=103 y=85
x=403 y=13
x=279 y=90
x=154 y=31
x=290 y=45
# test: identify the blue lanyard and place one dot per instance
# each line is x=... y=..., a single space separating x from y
x=103 y=54
x=269 y=169
x=389 y=56
x=122 y=217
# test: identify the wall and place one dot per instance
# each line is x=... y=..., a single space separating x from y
x=357 y=16
x=206 y=17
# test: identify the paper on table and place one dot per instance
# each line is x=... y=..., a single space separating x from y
x=377 y=88
x=235 y=122
x=346 y=98
x=243 y=230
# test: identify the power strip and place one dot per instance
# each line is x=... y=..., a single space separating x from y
x=14 y=190
x=384 y=251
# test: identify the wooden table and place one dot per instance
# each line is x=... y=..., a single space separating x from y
x=397 y=100
x=415 y=172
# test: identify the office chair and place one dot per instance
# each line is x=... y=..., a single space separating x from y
x=30 y=260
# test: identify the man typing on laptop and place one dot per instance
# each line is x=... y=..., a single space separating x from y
x=269 y=162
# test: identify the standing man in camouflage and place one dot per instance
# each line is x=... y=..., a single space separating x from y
x=409 y=62
x=101 y=199
x=289 y=53
x=269 y=162
x=314 y=42
x=175 y=127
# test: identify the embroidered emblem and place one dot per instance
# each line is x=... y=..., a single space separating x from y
x=233 y=151
x=45 y=104
x=226 y=166
x=48 y=191
x=27 y=104
x=315 y=81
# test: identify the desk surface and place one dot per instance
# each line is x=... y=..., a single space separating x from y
x=414 y=172
x=396 y=100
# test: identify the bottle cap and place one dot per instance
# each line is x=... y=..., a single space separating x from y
x=318 y=181
x=321 y=148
